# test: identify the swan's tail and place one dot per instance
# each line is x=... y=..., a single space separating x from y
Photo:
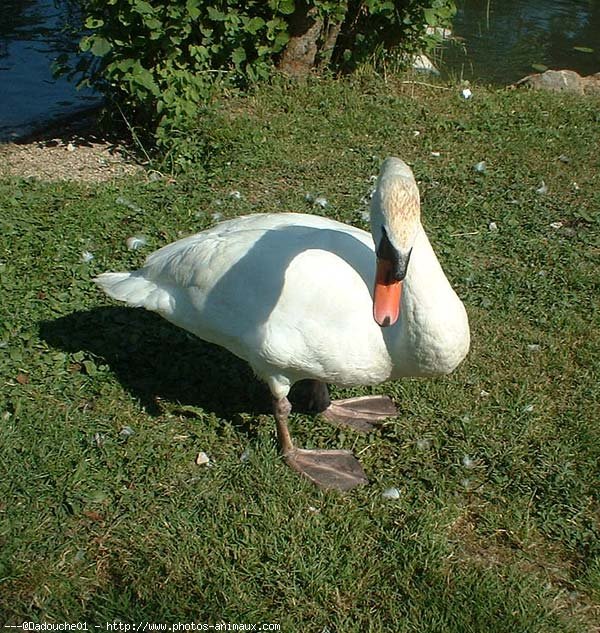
x=135 y=290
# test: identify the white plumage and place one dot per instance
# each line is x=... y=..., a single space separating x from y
x=292 y=295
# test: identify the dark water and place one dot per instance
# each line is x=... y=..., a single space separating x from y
x=31 y=37
x=504 y=40
x=500 y=42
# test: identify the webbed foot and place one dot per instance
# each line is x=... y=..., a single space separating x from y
x=338 y=469
x=361 y=414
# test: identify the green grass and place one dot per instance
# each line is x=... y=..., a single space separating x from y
x=497 y=524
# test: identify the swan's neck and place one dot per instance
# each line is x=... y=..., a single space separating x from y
x=432 y=334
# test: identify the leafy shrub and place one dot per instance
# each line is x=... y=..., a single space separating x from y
x=159 y=60
x=406 y=27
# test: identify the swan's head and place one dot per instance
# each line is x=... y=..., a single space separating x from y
x=395 y=221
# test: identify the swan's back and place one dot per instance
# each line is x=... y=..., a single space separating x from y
x=286 y=292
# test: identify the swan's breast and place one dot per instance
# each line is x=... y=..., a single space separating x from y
x=322 y=321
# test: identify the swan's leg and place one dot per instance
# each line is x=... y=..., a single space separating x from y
x=338 y=469
x=282 y=409
x=361 y=414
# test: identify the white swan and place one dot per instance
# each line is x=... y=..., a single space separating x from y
x=304 y=297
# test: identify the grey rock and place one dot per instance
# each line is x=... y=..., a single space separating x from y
x=561 y=81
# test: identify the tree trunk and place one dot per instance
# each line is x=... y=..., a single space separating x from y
x=331 y=32
x=299 y=56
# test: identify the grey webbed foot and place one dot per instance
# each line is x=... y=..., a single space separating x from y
x=361 y=414
x=338 y=470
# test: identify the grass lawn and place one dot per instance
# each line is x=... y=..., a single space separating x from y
x=105 y=515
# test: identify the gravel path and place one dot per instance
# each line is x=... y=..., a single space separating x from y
x=70 y=151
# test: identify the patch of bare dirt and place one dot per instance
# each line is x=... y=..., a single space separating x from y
x=71 y=150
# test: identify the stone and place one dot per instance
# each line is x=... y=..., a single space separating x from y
x=592 y=84
x=422 y=63
x=561 y=81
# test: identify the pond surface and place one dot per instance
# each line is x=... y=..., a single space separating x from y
x=500 y=41
x=31 y=38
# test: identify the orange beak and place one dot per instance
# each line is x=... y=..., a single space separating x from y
x=387 y=294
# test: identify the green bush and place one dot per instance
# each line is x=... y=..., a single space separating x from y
x=160 y=60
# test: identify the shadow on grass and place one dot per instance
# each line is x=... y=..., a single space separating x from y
x=155 y=360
